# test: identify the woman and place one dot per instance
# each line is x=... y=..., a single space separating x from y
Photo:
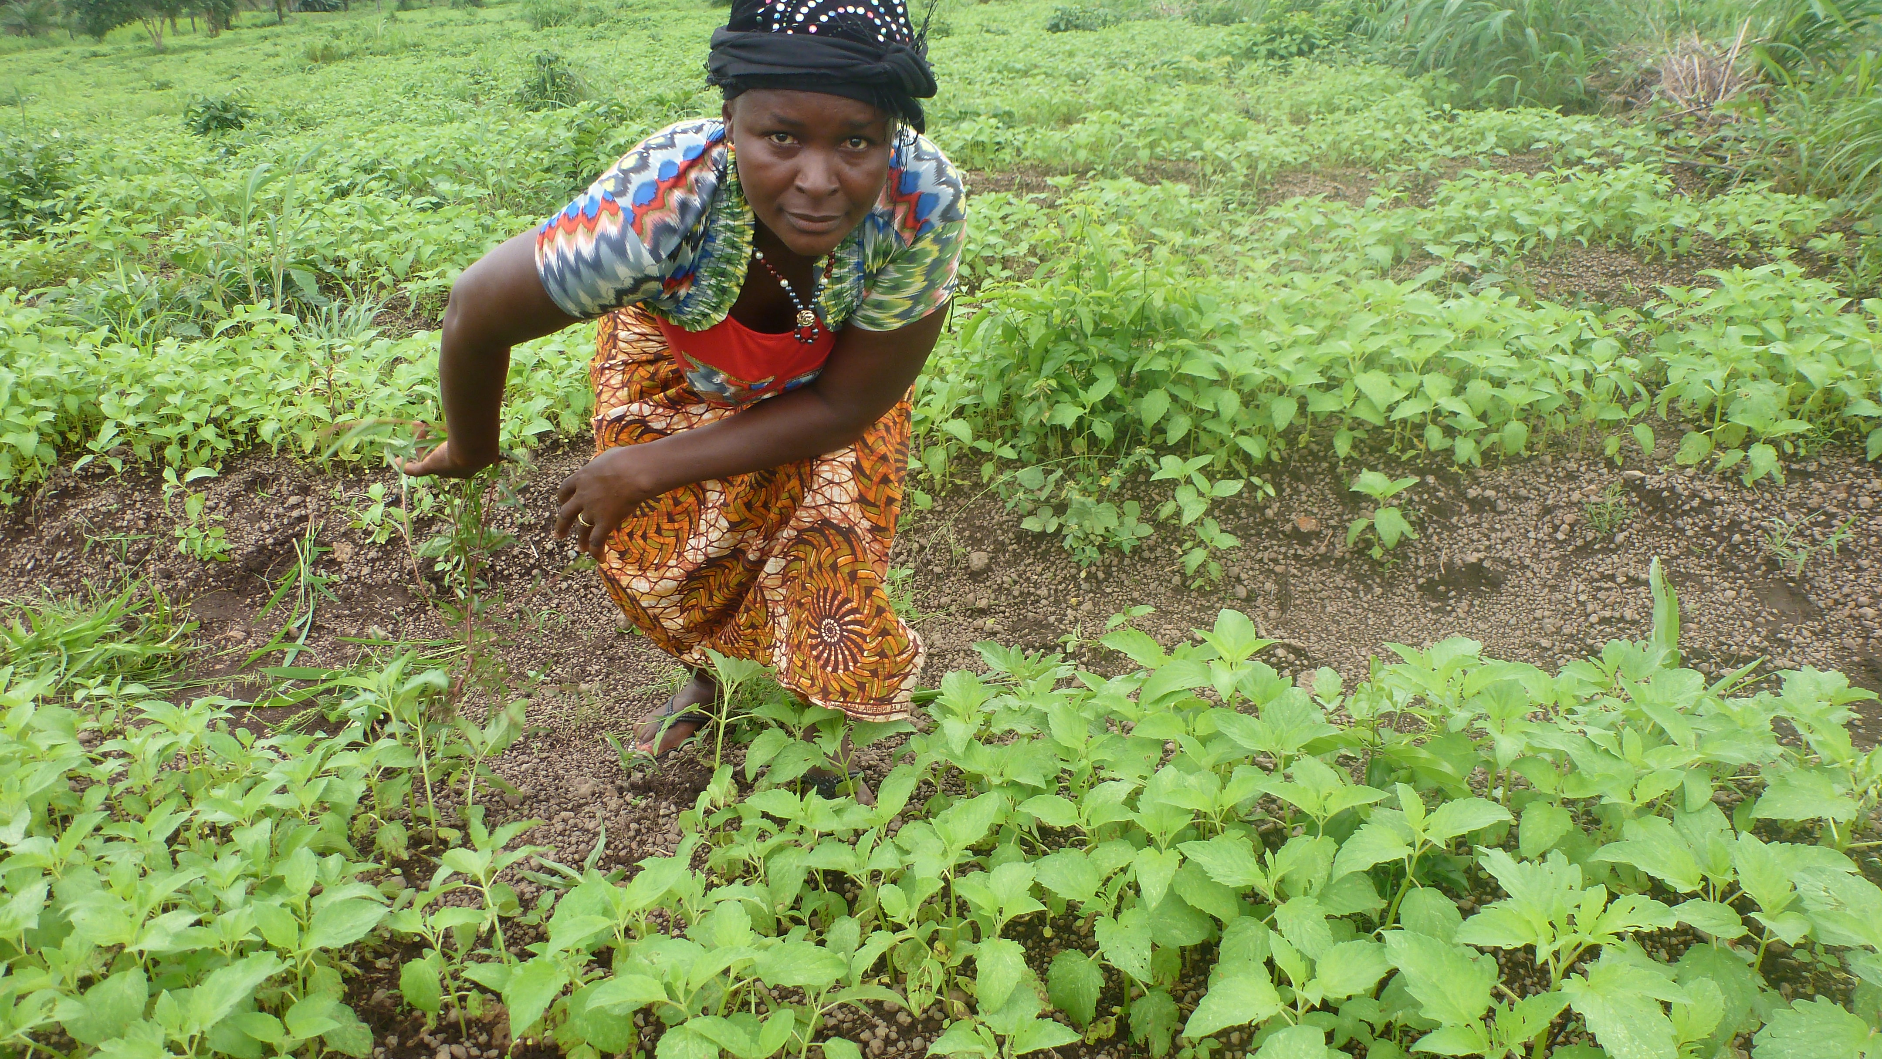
x=770 y=284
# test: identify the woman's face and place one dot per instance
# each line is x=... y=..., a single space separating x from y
x=812 y=164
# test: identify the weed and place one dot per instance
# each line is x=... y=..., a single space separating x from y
x=1788 y=540
x=553 y=84
x=1608 y=514
x=207 y=115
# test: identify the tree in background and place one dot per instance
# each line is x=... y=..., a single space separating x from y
x=96 y=18
x=29 y=18
x=218 y=14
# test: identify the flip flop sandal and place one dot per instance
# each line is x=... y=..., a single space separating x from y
x=668 y=716
x=827 y=785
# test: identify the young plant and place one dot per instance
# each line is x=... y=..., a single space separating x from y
x=1608 y=514
x=1385 y=523
x=1787 y=540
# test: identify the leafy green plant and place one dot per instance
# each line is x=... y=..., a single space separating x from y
x=552 y=84
x=34 y=172
x=1080 y=17
x=1385 y=522
x=199 y=534
x=207 y=115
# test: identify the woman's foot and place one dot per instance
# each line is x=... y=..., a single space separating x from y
x=698 y=690
x=834 y=784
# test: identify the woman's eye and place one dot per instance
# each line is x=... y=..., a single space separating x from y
x=782 y=139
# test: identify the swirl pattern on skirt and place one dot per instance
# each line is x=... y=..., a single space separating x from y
x=785 y=566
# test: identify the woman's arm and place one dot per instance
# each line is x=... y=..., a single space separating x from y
x=867 y=373
x=495 y=303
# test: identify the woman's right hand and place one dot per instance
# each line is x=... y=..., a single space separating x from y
x=442 y=462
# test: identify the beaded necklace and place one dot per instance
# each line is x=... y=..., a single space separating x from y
x=807 y=322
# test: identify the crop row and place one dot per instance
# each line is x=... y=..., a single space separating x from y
x=1640 y=835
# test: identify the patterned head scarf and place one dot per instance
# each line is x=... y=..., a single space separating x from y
x=859 y=49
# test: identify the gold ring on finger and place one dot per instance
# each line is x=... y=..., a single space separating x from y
x=583 y=519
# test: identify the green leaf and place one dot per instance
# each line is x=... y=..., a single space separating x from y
x=421 y=984
x=1815 y=1029
x=1228 y=859
x=1740 y=987
x=1461 y=816
x=625 y=994
x=1426 y=910
x=1239 y=999
x=1073 y=983
x=1617 y=1001
x=1051 y=810
x=1295 y=1042
x=342 y=923
x=1153 y=1021
x=683 y=1042
x=311 y=1016
x=1693 y=448
x=1000 y=965
x=1451 y=984
x=532 y=987
x=1069 y=873
x=1460 y=1040
x=839 y=1048
x=107 y=1009
x=224 y=988
x=1389 y=523
x=1543 y=825
x=1040 y=1034
x=1654 y=847
x=1350 y=968
x=1155 y=868
x=1374 y=843
x=1719 y=920
x=1803 y=794
x=1125 y=948
x=963 y=1037
x=802 y=964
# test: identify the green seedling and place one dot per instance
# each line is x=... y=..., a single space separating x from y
x=1607 y=515
x=1788 y=541
x=1386 y=524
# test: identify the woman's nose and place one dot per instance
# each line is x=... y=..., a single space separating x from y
x=817 y=176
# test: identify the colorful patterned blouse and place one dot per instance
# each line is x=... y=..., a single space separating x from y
x=669 y=227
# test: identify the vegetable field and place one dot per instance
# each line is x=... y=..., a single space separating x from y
x=1392 y=523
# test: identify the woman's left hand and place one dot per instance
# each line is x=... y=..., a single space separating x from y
x=599 y=497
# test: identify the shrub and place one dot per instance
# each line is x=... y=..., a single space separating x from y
x=1070 y=17
x=553 y=84
x=212 y=114
x=1283 y=30
x=1502 y=52
x=32 y=174
x=1824 y=137
x=542 y=14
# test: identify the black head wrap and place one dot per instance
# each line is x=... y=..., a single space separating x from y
x=859 y=49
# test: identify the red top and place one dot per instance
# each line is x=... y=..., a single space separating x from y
x=731 y=364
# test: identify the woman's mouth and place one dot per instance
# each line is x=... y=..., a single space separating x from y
x=814 y=223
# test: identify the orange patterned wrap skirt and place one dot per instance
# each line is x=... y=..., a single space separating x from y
x=786 y=566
